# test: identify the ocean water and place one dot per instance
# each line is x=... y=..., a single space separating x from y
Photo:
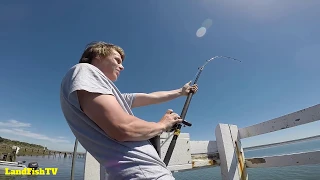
x=306 y=172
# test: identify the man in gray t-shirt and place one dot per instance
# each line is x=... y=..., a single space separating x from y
x=100 y=116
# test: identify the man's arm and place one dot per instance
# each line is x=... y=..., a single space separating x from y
x=106 y=112
x=144 y=99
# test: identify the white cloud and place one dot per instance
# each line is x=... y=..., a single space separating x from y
x=20 y=131
x=15 y=127
x=17 y=130
x=30 y=134
x=14 y=124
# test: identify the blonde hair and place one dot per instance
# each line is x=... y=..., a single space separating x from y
x=99 y=49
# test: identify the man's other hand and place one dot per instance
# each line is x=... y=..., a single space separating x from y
x=185 y=90
x=170 y=119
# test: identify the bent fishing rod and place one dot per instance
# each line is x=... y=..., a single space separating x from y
x=177 y=127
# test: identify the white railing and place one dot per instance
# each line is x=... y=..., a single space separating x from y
x=226 y=151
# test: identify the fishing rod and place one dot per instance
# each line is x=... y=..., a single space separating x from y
x=177 y=128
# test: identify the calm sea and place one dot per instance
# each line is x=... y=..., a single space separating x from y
x=310 y=172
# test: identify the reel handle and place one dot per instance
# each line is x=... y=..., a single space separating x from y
x=186 y=123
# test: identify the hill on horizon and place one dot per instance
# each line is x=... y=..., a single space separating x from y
x=8 y=142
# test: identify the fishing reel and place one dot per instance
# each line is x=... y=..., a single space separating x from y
x=176 y=126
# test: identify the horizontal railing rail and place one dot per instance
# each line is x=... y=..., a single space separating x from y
x=252 y=148
x=297 y=118
x=304 y=158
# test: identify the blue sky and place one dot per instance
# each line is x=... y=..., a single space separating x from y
x=278 y=43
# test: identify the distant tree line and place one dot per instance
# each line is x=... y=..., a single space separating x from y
x=18 y=143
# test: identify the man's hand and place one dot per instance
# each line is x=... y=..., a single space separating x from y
x=185 y=90
x=170 y=119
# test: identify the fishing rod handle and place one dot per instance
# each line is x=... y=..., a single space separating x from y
x=186 y=106
x=185 y=109
x=183 y=113
x=187 y=103
x=170 y=150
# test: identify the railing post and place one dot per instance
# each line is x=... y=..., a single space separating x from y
x=232 y=161
x=93 y=170
x=74 y=158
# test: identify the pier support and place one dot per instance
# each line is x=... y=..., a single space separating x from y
x=231 y=153
x=181 y=155
x=93 y=170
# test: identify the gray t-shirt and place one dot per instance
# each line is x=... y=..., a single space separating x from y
x=122 y=160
